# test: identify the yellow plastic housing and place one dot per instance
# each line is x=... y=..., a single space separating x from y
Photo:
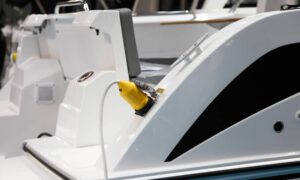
x=14 y=56
x=133 y=95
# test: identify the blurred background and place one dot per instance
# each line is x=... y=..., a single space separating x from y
x=14 y=10
x=13 y=13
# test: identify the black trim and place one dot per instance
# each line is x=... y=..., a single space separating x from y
x=202 y=175
x=27 y=150
x=271 y=79
x=286 y=7
x=164 y=61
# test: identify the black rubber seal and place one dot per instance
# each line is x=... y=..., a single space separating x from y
x=144 y=110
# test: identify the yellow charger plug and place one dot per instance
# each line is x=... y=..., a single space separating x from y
x=135 y=97
x=14 y=56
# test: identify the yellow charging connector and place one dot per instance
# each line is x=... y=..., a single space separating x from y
x=14 y=56
x=133 y=95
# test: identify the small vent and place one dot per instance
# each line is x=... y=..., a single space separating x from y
x=45 y=93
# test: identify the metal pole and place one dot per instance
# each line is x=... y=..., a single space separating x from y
x=235 y=6
x=40 y=6
x=135 y=6
x=103 y=4
x=194 y=6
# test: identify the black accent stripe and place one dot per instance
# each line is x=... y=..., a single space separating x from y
x=270 y=79
x=27 y=150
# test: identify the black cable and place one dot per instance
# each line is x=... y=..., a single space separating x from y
x=44 y=134
x=35 y=156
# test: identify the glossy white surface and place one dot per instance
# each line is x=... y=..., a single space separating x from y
x=21 y=114
x=224 y=56
x=25 y=168
x=21 y=117
x=67 y=36
x=51 y=56
x=140 y=149
x=201 y=15
x=73 y=162
x=79 y=113
x=158 y=40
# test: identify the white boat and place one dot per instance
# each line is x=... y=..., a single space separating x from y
x=48 y=60
x=61 y=48
x=229 y=108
